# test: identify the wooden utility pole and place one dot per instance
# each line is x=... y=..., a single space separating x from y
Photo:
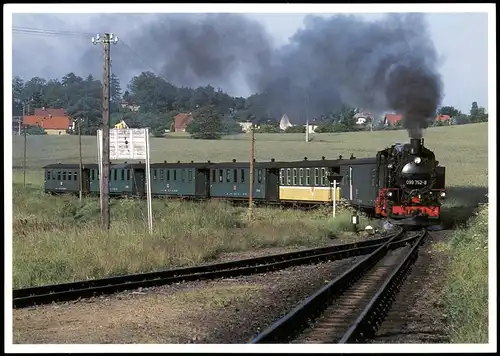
x=107 y=39
x=80 y=175
x=25 y=148
x=24 y=158
x=252 y=157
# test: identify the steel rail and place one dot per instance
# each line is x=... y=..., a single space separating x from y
x=296 y=320
x=372 y=316
x=75 y=290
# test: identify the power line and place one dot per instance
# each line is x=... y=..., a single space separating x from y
x=84 y=35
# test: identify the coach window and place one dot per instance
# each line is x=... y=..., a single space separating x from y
x=154 y=174
x=75 y=176
x=92 y=174
x=308 y=176
x=295 y=176
x=228 y=176
x=316 y=176
x=64 y=176
x=190 y=175
x=168 y=174
x=242 y=176
x=122 y=174
x=282 y=176
x=183 y=174
x=259 y=176
x=288 y=177
x=128 y=174
x=175 y=174
x=301 y=176
x=221 y=174
x=161 y=174
x=115 y=174
x=48 y=175
x=323 y=175
x=235 y=175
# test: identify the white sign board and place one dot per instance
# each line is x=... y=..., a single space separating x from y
x=129 y=144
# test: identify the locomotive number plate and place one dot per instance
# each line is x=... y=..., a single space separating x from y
x=416 y=182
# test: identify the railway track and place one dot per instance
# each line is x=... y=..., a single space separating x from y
x=85 y=289
x=350 y=308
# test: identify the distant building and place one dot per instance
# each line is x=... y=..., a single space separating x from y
x=53 y=121
x=363 y=118
x=392 y=119
x=52 y=125
x=285 y=123
x=17 y=122
x=245 y=126
x=311 y=128
x=444 y=118
x=181 y=121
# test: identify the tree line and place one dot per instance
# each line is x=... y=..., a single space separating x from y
x=151 y=101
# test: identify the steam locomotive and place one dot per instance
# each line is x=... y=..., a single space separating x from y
x=412 y=184
x=402 y=182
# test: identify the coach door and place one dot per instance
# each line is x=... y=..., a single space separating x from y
x=272 y=189
x=139 y=187
x=85 y=180
x=202 y=182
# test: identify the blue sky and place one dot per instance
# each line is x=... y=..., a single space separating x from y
x=460 y=40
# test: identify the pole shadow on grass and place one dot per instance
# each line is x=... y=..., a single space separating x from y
x=461 y=203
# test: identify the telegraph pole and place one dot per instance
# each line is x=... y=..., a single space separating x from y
x=252 y=156
x=81 y=163
x=107 y=39
x=24 y=158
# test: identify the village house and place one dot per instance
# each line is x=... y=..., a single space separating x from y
x=245 y=126
x=53 y=121
x=443 y=118
x=392 y=119
x=181 y=121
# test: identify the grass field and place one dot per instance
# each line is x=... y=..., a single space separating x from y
x=466 y=293
x=56 y=238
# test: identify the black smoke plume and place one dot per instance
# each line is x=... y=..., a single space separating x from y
x=382 y=65
x=389 y=64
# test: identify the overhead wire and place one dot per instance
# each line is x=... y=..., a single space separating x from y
x=75 y=34
x=85 y=35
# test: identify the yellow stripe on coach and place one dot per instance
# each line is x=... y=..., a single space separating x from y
x=315 y=194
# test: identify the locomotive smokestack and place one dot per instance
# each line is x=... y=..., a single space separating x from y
x=416 y=145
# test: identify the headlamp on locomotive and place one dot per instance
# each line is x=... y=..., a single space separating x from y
x=411 y=182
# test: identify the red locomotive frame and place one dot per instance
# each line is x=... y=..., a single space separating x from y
x=397 y=209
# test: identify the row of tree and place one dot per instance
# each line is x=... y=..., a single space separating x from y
x=151 y=101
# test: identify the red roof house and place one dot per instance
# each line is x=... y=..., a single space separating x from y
x=392 y=119
x=182 y=121
x=443 y=118
x=53 y=121
x=48 y=123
